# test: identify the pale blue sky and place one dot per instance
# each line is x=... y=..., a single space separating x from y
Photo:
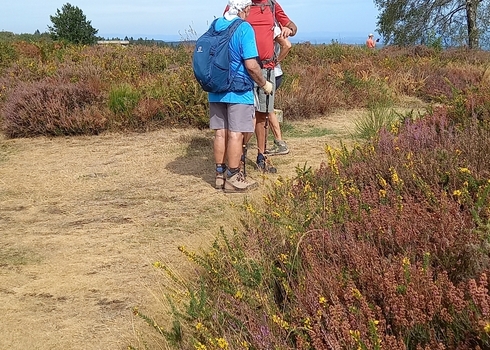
x=317 y=20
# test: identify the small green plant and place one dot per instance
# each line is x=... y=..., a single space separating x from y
x=123 y=100
x=377 y=117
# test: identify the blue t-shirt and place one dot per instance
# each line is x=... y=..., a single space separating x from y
x=242 y=47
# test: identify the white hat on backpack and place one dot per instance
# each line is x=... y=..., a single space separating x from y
x=235 y=6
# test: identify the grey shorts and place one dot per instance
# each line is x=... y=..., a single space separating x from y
x=261 y=98
x=231 y=116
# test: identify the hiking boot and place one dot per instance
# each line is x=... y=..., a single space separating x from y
x=279 y=148
x=220 y=181
x=237 y=183
x=220 y=176
x=263 y=166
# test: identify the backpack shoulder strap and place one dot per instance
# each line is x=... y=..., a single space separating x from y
x=212 y=29
x=273 y=8
x=234 y=25
x=270 y=3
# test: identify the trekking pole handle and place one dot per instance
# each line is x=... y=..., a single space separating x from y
x=268 y=87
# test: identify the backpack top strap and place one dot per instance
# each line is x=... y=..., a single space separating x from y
x=232 y=27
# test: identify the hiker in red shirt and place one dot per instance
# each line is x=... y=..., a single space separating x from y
x=263 y=17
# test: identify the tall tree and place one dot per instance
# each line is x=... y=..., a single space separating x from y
x=455 y=22
x=70 y=24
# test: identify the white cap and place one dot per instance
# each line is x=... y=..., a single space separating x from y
x=236 y=6
x=371 y=34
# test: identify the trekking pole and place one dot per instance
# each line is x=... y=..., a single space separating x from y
x=244 y=156
x=266 y=124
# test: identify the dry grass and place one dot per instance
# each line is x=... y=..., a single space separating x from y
x=84 y=218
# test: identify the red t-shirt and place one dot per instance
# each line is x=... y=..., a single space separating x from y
x=263 y=23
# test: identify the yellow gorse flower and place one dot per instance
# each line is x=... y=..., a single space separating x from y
x=357 y=294
x=394 y=176
x=238 y=295
x=200 y=346
x=307 y=323
x=307 y=187
x=279 y=321
x=222 y=343
x=355 y=334
x=394 y=128
x=382 y=182
x=251 y=209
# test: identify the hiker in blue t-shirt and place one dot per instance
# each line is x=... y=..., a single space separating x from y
x=232 y=112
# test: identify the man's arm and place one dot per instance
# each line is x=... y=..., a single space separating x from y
x=255 y=72
x=292 y=26
x=289 y=28
x=285 y=47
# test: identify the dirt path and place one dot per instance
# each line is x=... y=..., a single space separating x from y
x=82 y=219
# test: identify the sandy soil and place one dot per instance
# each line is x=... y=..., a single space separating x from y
x=82 y=219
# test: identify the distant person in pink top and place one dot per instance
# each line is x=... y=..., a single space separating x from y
x=370 y=43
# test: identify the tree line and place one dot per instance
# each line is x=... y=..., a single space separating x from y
x=69 y=24
x=444 y=23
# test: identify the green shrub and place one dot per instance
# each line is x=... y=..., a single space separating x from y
x=8 y=55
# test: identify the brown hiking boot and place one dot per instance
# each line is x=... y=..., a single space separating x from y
x=220 y=181
x=238 y=183
x=263 y=165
